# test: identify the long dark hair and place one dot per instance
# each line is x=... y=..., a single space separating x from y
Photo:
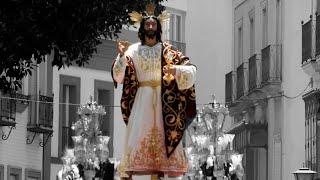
x=141 y=33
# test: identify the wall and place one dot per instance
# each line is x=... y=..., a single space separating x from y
x=209 y=42
x=177 y=4
x=294 y=82
x=87 y=77
x=15 y=151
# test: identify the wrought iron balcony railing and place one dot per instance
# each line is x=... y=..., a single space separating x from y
x=46 y=111
x=229 y=87
x=10 y=104
x=271 y=64
x=306 y=41
x=41 y=114
x=240 y=81
x=7 y=110
x=253 y=72
x=22 y=102
x=41 y=117
x=317 y=35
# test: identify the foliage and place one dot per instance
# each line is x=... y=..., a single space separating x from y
x=71 y=29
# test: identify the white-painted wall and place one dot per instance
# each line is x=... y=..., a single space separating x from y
x=15 y=152
x=177 y=4
x=294 y=82
x=54 y=169
x=87 y=77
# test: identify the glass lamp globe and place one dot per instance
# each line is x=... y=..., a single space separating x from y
x=304 y=174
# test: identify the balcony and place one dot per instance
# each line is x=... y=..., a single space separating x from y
x=7 y=110
x=306 y=42
x=229 y=88
x=179 y=45
x=22 y=102
x=10 y=104
x=240 y=81
x=317 y=36
x=310 y=61
x=41 y=117
x=41 y=114
x=312 y=121
x=271 y=65
x=249 y=135
x=254 y=75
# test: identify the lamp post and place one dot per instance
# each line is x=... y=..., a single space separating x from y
x=304 y=174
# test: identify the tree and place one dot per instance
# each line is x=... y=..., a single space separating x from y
x=71 y=29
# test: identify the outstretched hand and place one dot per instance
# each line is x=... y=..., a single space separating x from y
x=169 y=69
x=122 y=47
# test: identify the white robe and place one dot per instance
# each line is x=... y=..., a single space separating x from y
x=145 y=151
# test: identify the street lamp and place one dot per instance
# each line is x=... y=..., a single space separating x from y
x=304 y=174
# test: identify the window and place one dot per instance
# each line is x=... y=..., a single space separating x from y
x=175 y=27
x=39 y=88
x=13 y=177
x=172 y=30
x=312 y=138
x=31 y=174
x=104 y=95
x=32 y=178
x=39 y=82
x=240 y=45
x=69 y=98
x=1 y=172
x=252 y=38
x=104 y=98
x=264 y=27
x=178 y=28
x=278 y=22
x=69 y=114
x=14 y=173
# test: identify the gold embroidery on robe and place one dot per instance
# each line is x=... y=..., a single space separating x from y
x=178 y=108
x=151 y=156
x=118 y=67
x=148 y=59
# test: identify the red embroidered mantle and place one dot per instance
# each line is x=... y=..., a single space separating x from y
x=178 y=106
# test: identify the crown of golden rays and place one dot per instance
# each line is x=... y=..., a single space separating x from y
x=137 y=17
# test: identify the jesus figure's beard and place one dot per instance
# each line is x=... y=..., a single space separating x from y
x=150 y=34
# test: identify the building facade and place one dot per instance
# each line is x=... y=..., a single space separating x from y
x=310 y=55
x=26 y=126
x=264 y=87
x=74 y=86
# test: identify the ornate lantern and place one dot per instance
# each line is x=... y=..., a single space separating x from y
x=304 y=174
